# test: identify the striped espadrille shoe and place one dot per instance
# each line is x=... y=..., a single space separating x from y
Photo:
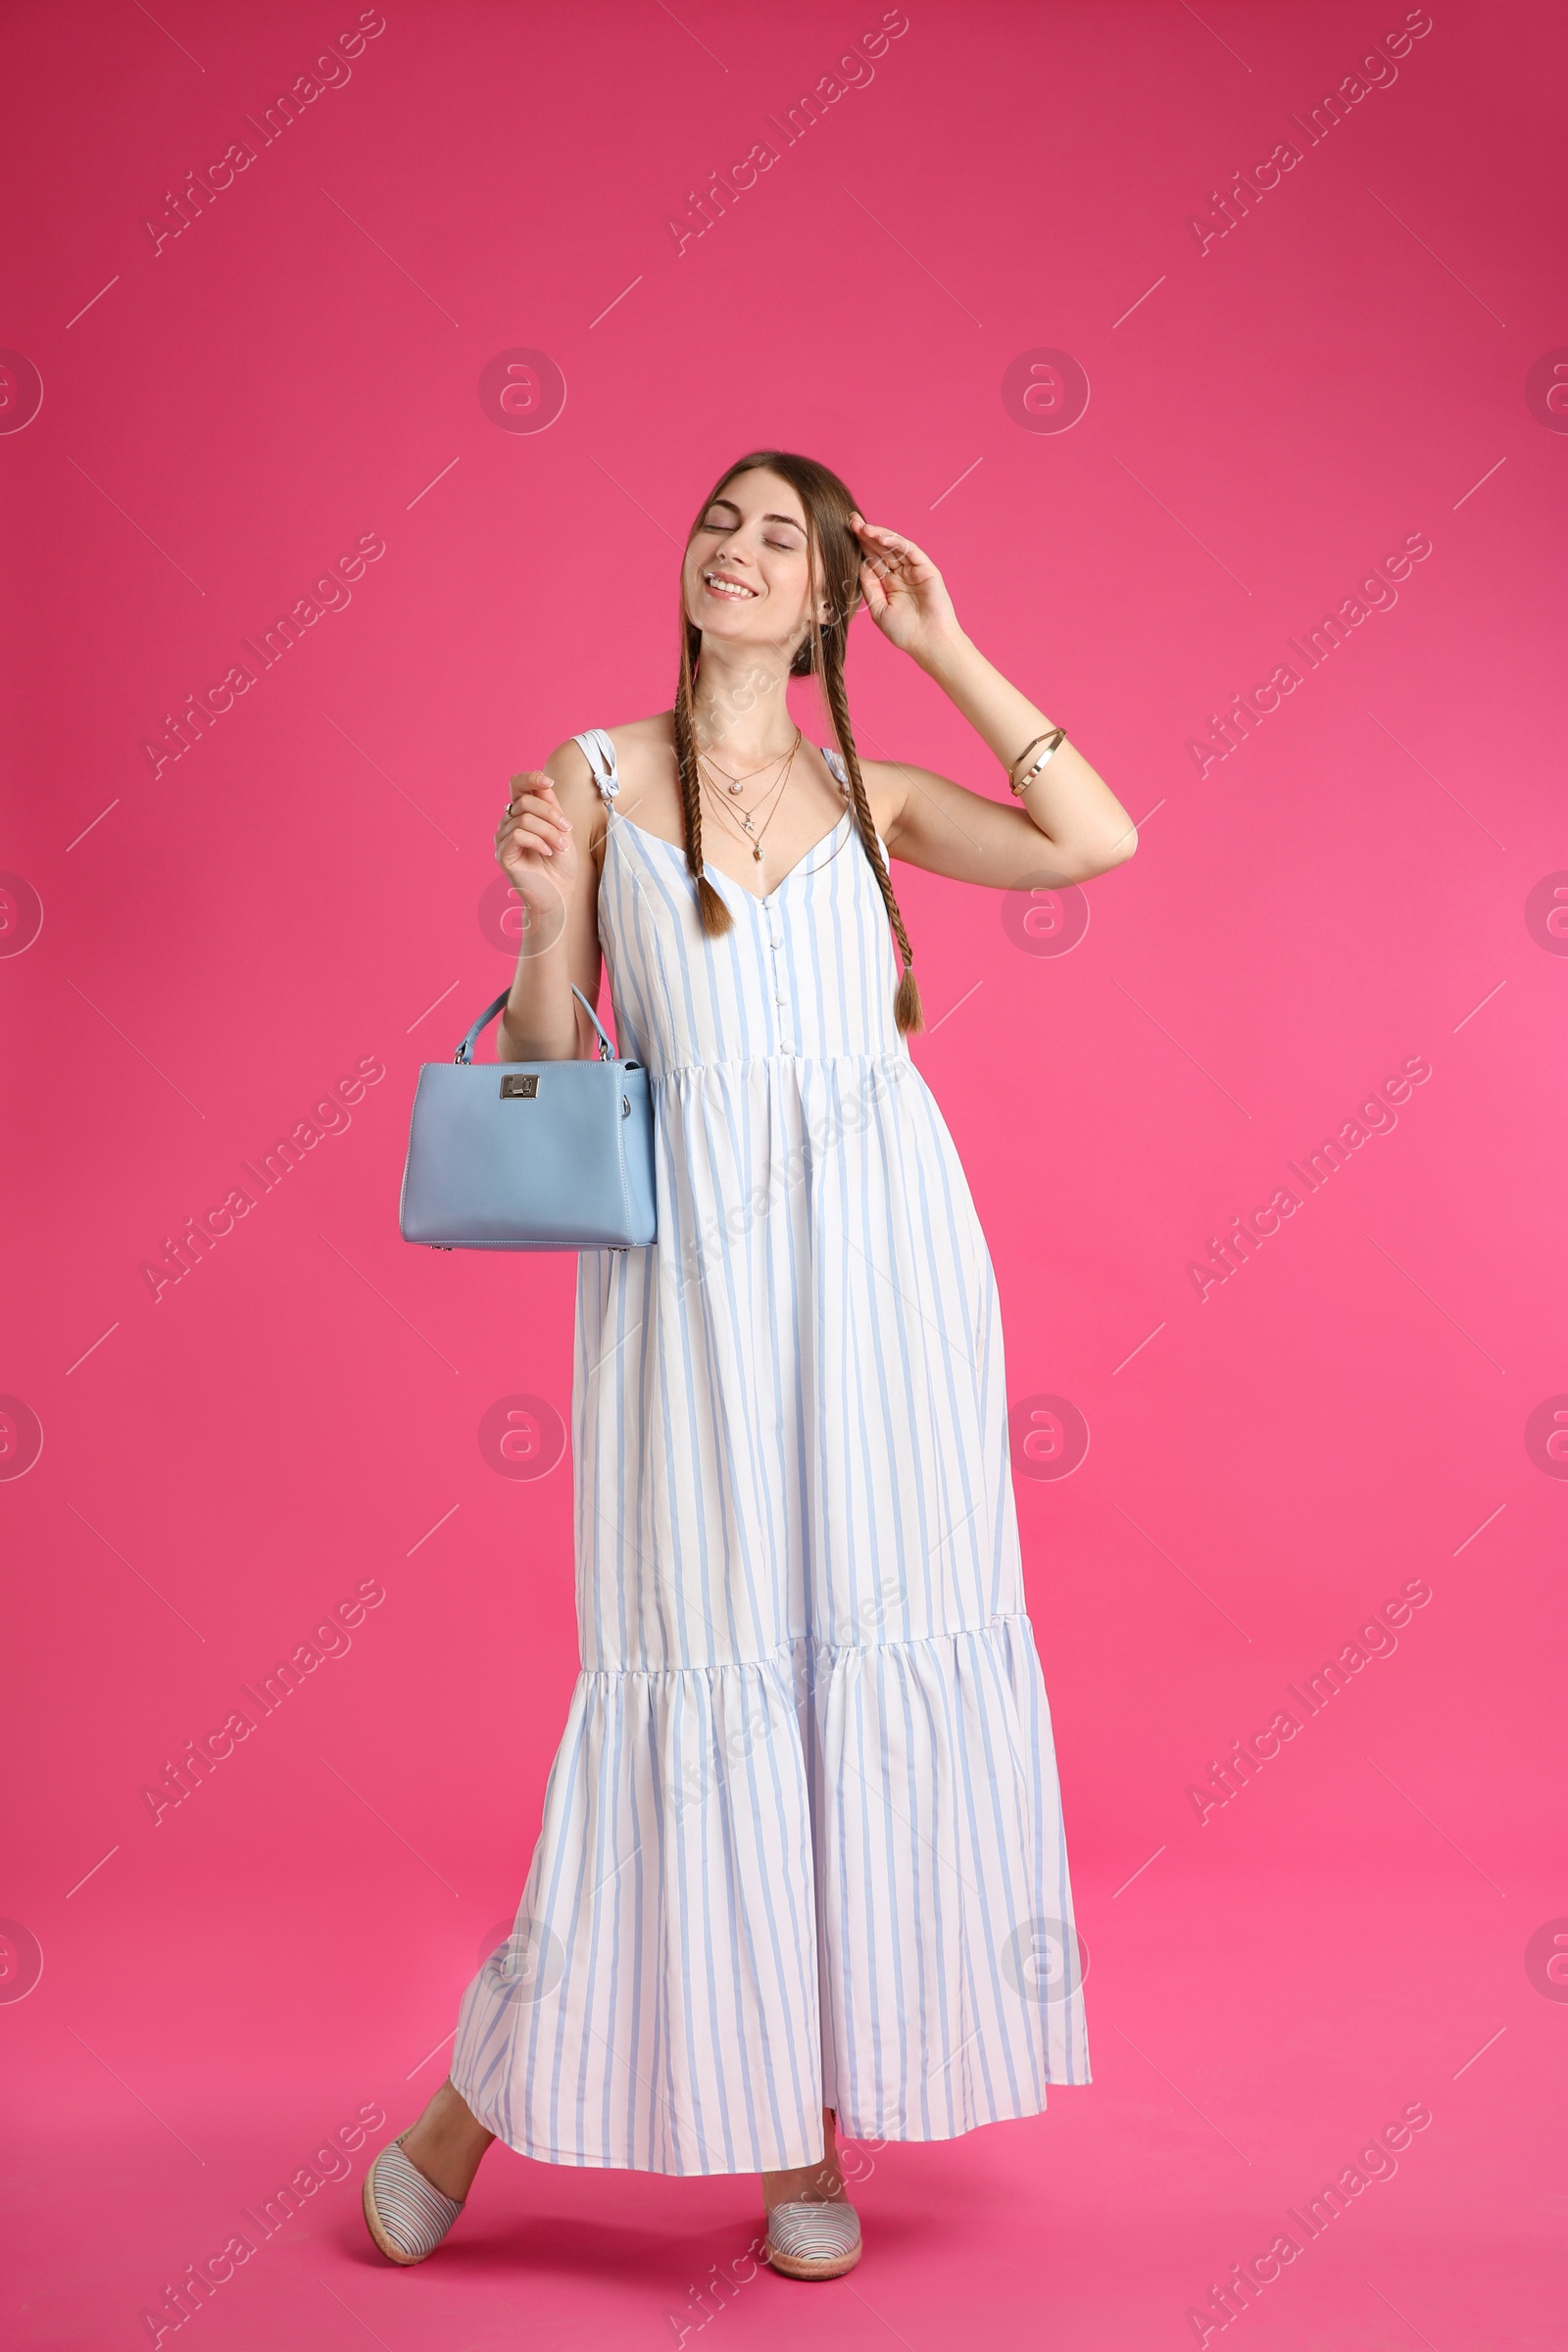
x=813 y=2241
x=406 y=2214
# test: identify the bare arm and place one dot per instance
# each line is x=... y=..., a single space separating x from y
x=543 y=847
x=1069 y=823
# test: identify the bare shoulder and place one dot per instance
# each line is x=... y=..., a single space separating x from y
x=887 y=785
x=645 y=761
x=631 y=736
x=569 y=772
x=640 y=740
x=637 y=743
x=580 y=798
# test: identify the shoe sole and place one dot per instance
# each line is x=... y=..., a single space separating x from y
x=790 y=2266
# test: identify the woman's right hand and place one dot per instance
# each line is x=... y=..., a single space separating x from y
x=535 y=845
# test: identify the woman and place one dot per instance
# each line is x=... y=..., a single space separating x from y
x=802 y=1864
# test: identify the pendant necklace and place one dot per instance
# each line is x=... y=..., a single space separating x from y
x=734 y=783
x=746 y=816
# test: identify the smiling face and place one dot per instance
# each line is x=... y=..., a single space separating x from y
x=746 y=577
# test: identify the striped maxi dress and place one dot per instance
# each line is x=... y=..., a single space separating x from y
x=803 y=1840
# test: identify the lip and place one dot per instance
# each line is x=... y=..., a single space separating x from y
x=730 y=578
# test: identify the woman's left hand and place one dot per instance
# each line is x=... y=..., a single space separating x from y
x=905 y=593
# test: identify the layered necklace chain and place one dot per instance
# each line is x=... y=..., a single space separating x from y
x=744 y=820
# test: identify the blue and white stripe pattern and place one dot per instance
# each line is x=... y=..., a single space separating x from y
x=813 y=2241
x=407 y=2215
x=803 y=1840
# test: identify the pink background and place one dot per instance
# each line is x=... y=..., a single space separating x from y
x=301 y=892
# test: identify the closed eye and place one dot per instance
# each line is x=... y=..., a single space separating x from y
x=786 y=547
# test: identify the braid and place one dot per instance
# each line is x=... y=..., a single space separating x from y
x=713 y=914
x=833 y=563
x=906 y=1008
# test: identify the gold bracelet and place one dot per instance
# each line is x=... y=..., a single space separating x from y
x=1051 y=740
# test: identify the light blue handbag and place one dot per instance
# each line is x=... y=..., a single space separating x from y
x=530 y=1155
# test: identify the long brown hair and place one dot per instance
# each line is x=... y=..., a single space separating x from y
x=833 y=571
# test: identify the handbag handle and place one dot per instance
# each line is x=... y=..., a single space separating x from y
x=465 y=1052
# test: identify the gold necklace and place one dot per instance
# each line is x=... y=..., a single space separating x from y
x=744 y=815
x=745 y=824
x=735 y=782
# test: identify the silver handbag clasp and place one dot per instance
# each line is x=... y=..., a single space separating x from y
x=520 y=1083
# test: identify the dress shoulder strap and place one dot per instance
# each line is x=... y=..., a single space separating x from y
x=837 y=767
x=600 y=754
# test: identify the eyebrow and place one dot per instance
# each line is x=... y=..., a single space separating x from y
x=734 y=510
